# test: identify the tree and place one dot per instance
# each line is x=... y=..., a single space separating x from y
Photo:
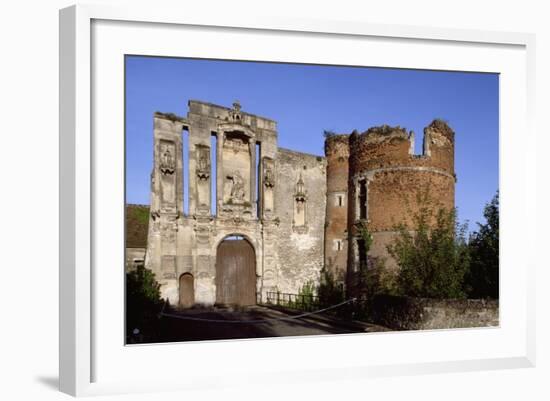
x=432 y=254
x=482 y=280
x=143 y=302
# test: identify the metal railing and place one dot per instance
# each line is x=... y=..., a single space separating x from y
x=353 y=309
x=303 y=302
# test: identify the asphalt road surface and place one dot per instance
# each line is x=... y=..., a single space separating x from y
x=251 y=322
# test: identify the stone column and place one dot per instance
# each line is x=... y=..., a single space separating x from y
x=253 y=198
x=166 y=203
x=219 y=172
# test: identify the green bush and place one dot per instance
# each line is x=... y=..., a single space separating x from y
x=433 y=256
x=306 y=296
x=377 y=279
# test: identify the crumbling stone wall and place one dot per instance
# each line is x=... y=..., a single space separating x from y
x=301 y=183
x=404 y=313
x=277 y=205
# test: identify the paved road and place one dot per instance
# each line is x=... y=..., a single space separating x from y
x=189 y=326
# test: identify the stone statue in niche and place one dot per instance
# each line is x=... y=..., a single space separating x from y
x=300 y=205
x=203 y=163
x=300 y=199
x=269 y=180
x=300 y=191
x=237 y=187
x=167 y=159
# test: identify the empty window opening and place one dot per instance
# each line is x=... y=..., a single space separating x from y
x=363 y=199
x=234 y=238
x=362 y=253
x=185 y=163
x=338 y=245
x=340 y=201
x=213 y=174
x=259 y=178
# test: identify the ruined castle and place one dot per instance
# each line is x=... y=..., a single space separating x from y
x=262 y=218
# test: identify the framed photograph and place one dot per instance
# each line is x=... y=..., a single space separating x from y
x=278 y=199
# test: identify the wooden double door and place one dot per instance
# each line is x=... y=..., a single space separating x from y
x=235 y=273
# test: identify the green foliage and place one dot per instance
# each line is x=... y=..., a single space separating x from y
x=306 y=295
x=331 y=289
x=363 y=231
x=433 y=257
x=308 y=289
x=482 y=280
x=143 y=302
x=373 y=278
x=377 y=279
x=141 y=214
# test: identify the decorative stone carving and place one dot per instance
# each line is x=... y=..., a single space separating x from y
x=167 y=163
x=269 y=179
x=235 y=113
x=300 y=208
x=202 y=234
x=237 y=187
x=300 y=191
x=168 y=233
x=236 y=144
x=169 y=228
x=203 y=163
x=156 y=226
x=238 y=220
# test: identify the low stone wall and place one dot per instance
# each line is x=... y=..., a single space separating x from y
x=404 y=313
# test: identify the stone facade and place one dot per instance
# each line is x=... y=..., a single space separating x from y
x=297 y=211
x=277 y=216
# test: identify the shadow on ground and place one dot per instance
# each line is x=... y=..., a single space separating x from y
x=253 y=322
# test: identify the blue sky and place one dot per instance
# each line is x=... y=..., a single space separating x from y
x=305 y=100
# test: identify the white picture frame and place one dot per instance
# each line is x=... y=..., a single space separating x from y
x=87 y=367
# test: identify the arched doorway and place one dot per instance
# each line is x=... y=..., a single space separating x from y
x=235 y=272
x=186 y=291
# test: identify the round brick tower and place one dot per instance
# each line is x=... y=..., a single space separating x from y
x=386 y=179
x=336 y=224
